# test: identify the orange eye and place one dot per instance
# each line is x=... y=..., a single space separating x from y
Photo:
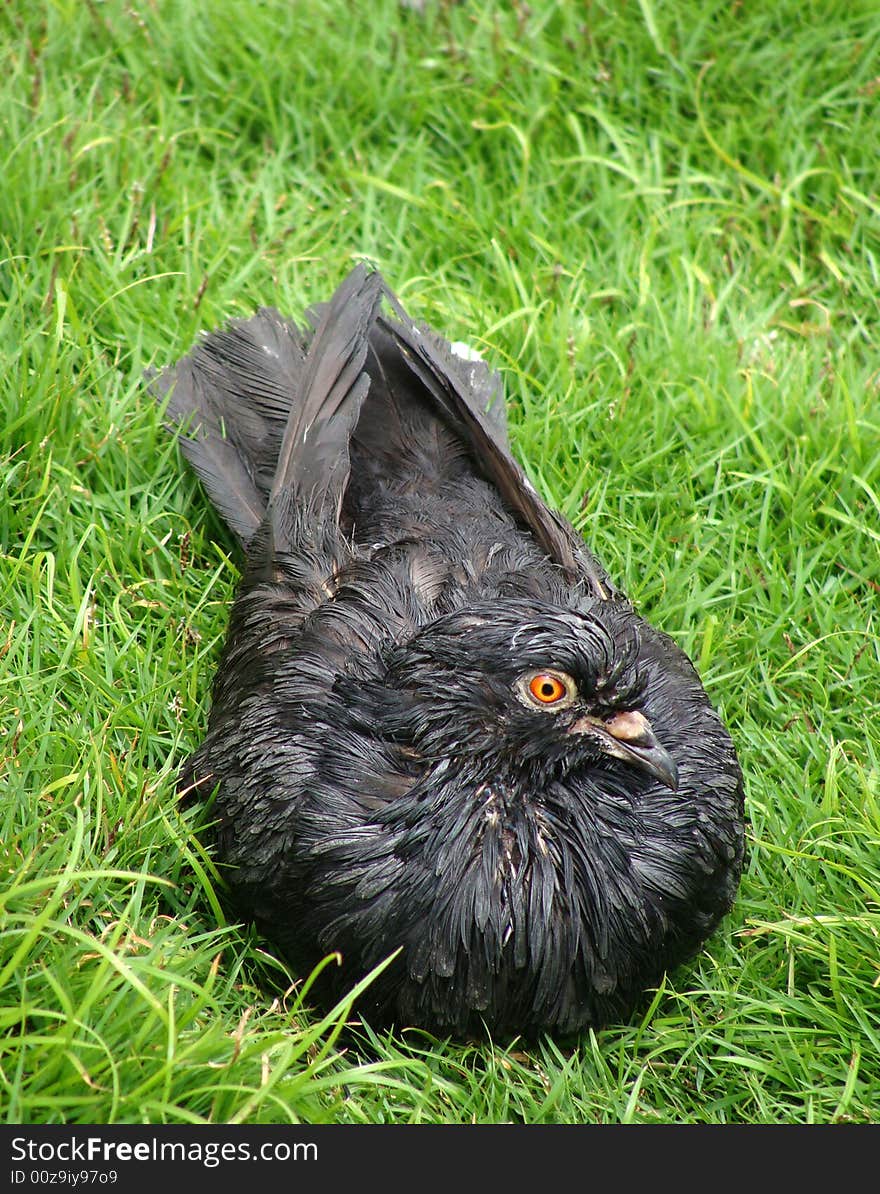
x=547 y=689
x=550 y=690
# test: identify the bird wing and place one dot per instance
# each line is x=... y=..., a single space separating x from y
x=467 y=399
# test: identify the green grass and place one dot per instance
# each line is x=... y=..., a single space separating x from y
x=662 y=222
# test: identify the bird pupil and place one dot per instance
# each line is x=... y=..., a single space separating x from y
x=548 y=688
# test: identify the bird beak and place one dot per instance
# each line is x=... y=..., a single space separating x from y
x=628 y=736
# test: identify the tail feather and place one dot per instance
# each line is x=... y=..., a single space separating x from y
x=260 y=405
x=314 y=453
x=266 y=412
x=228 y=402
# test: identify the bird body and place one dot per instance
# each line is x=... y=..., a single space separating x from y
x=437 y=727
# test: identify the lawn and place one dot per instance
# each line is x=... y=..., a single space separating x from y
x=662 y=224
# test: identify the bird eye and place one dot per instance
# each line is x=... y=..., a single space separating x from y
x=547 y=690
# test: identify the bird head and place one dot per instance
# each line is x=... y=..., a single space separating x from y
x=534 y=692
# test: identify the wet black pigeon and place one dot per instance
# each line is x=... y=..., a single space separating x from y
x=437 y=726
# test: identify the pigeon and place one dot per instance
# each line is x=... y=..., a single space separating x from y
x=441 y=739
